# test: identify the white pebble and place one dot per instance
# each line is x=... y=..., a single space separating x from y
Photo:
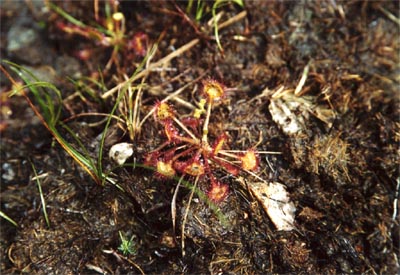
x=120 y=152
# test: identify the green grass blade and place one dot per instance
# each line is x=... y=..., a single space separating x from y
x=218 y=4
x=85 y=156
x=49 y=115
x=77 y=22
x=46 y=102
x=200 y=10
x=67 y=16
x=119 y=98
x=7 y=218
x=46 y=217
x=103 y=137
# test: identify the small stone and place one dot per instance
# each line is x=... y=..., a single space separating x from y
x=120 y=152
x=9 y=173
x=24 y=44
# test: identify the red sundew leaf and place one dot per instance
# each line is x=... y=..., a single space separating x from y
x=139 y=44
x=213 y=90
x=218 y=144
x=193 y=167
x=170 y=131
x=165 y=169
x=230 y=168
x=218 y=192
x=250 y=160
x=169 y=154
x=192 y=122
x=87 y=32
x=180 y=165
x=163 y=111
x=84 y=54
x=150 y=159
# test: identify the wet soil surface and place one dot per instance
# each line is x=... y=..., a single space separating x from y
x=315 y=82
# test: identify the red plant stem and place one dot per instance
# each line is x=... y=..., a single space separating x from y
x=224 y=153
x=184 y=153
x=188 y=140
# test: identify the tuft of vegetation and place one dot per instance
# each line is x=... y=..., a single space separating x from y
x=127 y=246
x=49 y=100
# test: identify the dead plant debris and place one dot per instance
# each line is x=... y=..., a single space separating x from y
x=312 y=84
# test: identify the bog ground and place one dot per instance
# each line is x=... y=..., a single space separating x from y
x=309 y=111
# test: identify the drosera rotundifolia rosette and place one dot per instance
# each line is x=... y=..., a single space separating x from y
x=187 y=150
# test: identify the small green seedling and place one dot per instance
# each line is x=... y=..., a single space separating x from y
x=127 y=247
